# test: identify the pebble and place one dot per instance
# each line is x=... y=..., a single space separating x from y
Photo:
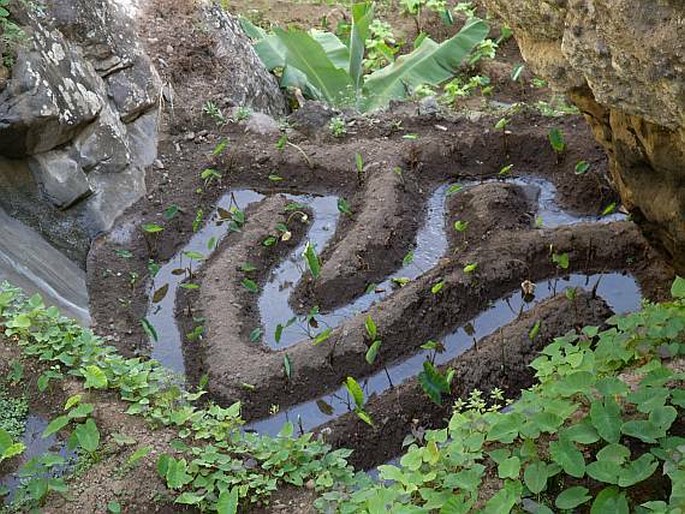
x=158 y=164
x=169 y=49
x=190 y=136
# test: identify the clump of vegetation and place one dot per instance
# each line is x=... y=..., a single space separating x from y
x=338 y=127
x=325 y=68
x=11 y=34
x=589 y=434
x=13 y=413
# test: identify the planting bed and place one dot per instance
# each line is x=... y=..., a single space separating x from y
x=403 y=202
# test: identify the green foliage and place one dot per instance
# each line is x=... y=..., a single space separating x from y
x=337 y=127
x=11 y=34
x=220 y=466
x=312 y=260
x=557 y=141
x=13 y=414
x=324 y=68
x=601 y=421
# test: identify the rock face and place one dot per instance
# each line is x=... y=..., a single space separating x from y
x=622 y=63
x=79 y=112
x=78 y=121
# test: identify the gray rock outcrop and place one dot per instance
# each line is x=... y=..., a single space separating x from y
x=78 y=118
x=80 y=109
x=621 y=62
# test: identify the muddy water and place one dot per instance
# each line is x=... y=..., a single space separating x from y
x=167 y=349
x=431 y=245
x=620 y=291
x=29 y=262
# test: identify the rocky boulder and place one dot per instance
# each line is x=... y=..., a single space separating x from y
x=621 y=62
x=79 y=111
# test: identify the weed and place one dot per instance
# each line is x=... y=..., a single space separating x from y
x=214 y=112
x=337 y=127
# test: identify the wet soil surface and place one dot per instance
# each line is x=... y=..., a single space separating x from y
x=407 y=157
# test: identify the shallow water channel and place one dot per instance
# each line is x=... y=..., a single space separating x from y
x=621 y=292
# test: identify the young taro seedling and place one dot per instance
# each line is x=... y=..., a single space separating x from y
x=501 y=125
x=357 y=394
x=557 y=142
x=151 y=232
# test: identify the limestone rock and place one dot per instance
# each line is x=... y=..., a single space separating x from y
x=52 y=94
x=622 y=62
x=60 y=177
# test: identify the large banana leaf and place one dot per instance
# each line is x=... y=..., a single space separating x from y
x=308 y=56
x=431 y=63
x=362 y=16
x=335 y=49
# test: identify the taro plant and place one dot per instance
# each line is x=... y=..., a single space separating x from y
x=357 y=394
x=557 y=142
x=324 y=68
x=373 y=341
x=312 y=260
x=435 y=383
x=151 y=233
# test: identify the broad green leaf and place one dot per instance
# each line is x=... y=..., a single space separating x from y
x=95 y=377
x=72 y=401
x=505 y=499
x=433 y=382
x=638 y=470
x=604 y=471
x=88 y=435
x=189 y=498
x=616 y=453
x=175 y=472
x=535 y=476
x=82 y=411
x=355 y=391
x=606 y=418
x=678 y=288
x=303 y=52
x=572 y=497
x=509 y=468
x=610 y=500
x=55 y=425
x=335 y=49
x=431 y=64
x=506 y=429
x=565 y=453
x=228 y=502
x=362 y=16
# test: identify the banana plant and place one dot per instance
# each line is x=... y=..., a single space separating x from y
x=324 y=68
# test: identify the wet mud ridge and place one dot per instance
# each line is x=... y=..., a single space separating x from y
x=282 y=293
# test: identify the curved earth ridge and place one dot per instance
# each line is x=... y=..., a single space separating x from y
x=430 y=246
x=291 y=269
